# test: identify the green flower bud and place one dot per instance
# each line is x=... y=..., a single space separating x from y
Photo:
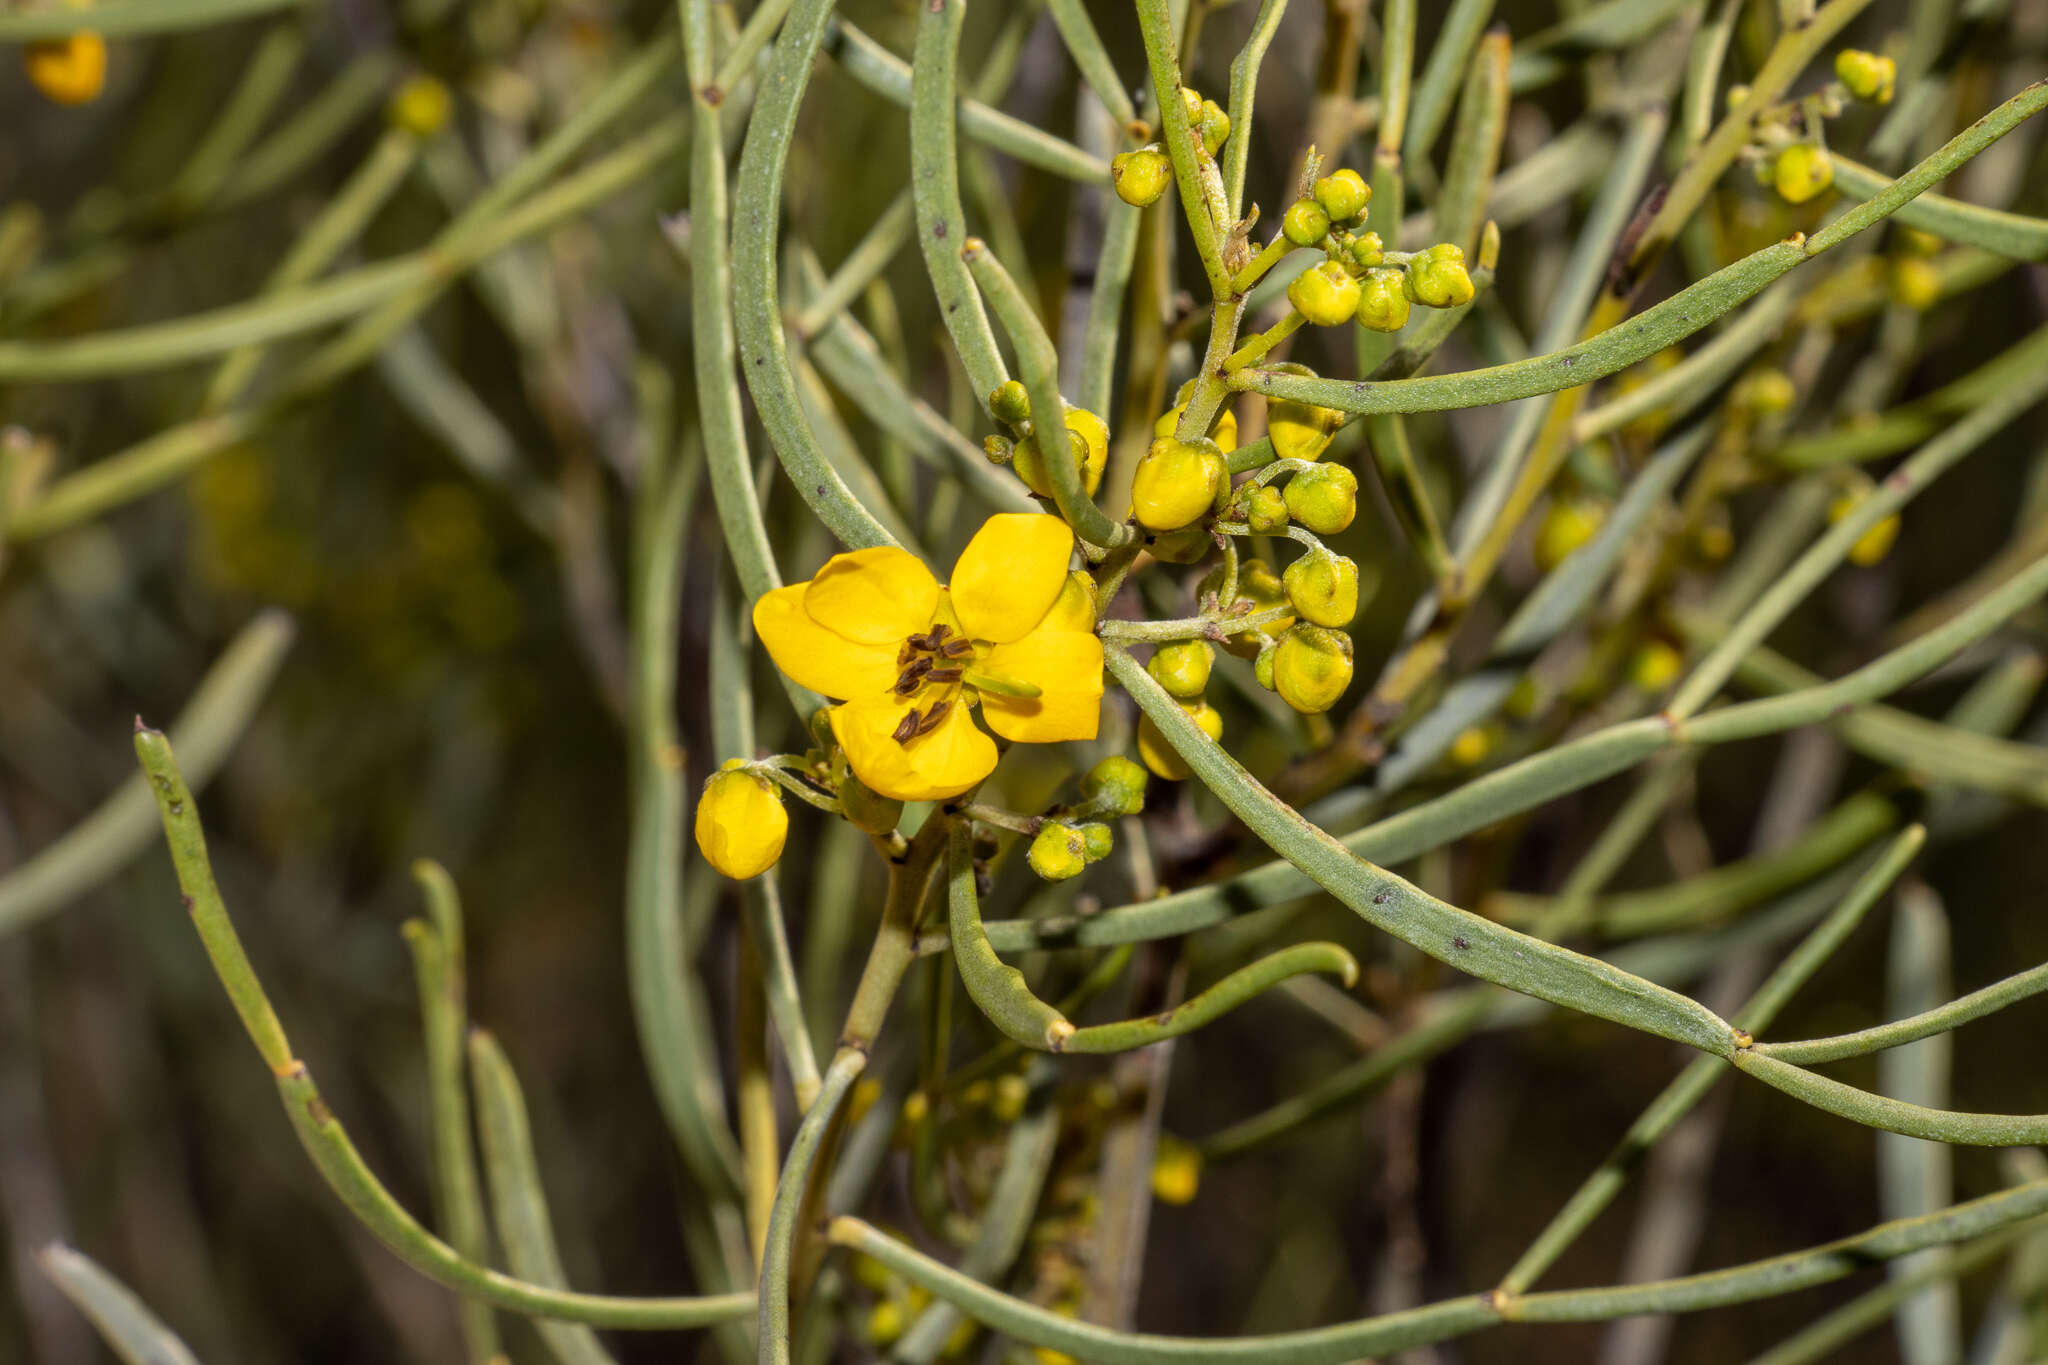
x=1088 y=436
x=1437 y=278
x=1801 y=171
x=1141 y=176
x=1214 y=126
x=999 y=449
x=1116 y=785
x=1382 y=302
x=1323 y=497
x=1176 y=483
x=1182 y=667
x=1323 y=587
x=1096 y=841
x=871 y=813
x=1259 y=585
x=1305 y=223
x=1343 y=194
x=1266 y=511
x=1008 y=402
x=1324 y=294
x=1311 y=668
x=1262 y=667
x=1866 y=75
x=1058 y=852
x=1367 y=249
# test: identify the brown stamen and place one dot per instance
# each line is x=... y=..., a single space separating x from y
x=953 y=649
x=906 y=729
x=938 y=633
x=933 y=717
x=944 y=675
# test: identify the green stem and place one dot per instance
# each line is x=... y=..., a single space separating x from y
x=1183 y=144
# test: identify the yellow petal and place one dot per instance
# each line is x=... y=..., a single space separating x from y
x=820 y=659
x=1010 y=574
x=1075 y=607
x=952 y=758
x=1066 y=667
x=875 y=596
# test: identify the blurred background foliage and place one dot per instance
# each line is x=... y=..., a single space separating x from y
x=455 y=685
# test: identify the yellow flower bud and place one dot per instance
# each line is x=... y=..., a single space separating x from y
x=1866 y=75
x=1766 y=391
x=1305 y=223
x=868 y=1272
x=1873 y=545
x=1311 y=668
x=1801 y=171
x=1367 y=249
x=1160 y=756
x=1300 y=431
x=1182 y=667
x=1382 y=301
x=1472 y=746
x=1259 y=585
x=1655 y=666
x=1141 y=176
x=1323 y=587
x=1046 y=1355
x=1914 y=242
x=740 y=822
x=862 y=1099
x=1011 y=1091
x=1008 y=402
x=421 y=107
x=1096 y=841
x=1323 y=497
x=1058 y=852
x=1262 y=667
x=1569 y=523
x=886 y=1321
x=1176 y=1171
x=1091 y=450
x=1436 y=278
x=1176 y=482
x=1913 y=282
x=1214 y=126
x=68 y=70
x=1266 y=511
x=1737 y=94
x=1116 y=785
x=1343 y=194
x=1324 y=294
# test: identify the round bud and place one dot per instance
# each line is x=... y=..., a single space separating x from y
x=886 y=1321
x=1176 y=483
x=1266 y=511
x=1191 y=101
x=1801 y=171
x=421 y=107
x=1866 y=75
x=1655 y=666
x=1214 y=126
x=741 y=824
x=1324 y=294
x=1311 y=668
x=1096 y=841
x=1913 y=282
x=68 y=70
x=1116 y=785
x=1189 y=545
x=1766 y=391
x=1472 y=746
x=1182 y=667
x=1141 y=176
x=1259 y=585
x=1305 y=223
x=1058 y=852
x=1262 y=667
x=1222 y=427
x=1160 y=756
x=1176 y=1171
x=1323 y=587
x=1382 y=301
x=1343 y=194
x=999 y=449
x=1914 y=242
x=1437 y=278
x=1875 y=543
x=1569 y=523
x=1300 y=431
x=1323 y=497
x=1008 y=402
x=1006 y=1103
x=870 y=812
x=1737 y=94
x=1089 y=441
x=1367 y=249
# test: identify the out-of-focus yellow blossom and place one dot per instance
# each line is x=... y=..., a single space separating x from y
x=1013 y=632
x=1176 y=1171
x=68 y=70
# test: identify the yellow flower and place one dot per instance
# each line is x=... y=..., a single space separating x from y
x=68 y=70
x=1176 y=1171
x=1014 y=632
x=741 y=824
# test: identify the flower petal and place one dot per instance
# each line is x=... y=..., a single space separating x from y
x=1066 y=667
x=822 y=660
x=875 y=596
x=1010 y=574
x=949 y=760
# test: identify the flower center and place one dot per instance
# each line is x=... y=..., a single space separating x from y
x=937 y=659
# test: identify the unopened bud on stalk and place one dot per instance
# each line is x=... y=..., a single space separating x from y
x=1141 y=176
x=1089 y=439
x=741 y=824
x=1311 y=668
x=1160 y=756
x=1182 y=667
x=1343 y=194
x=1116 y=785
x=1382 y=301
x=1259 y=585
x=1058 y=852
x=1323 y=498
x=1323 y=587
x=1008 y=402
x=1866 y=75
x=1437 y=277
x=1176 y=482
x=1305 y=223
x=1266 y=511
x=1801 y=171
x=1324 y=294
